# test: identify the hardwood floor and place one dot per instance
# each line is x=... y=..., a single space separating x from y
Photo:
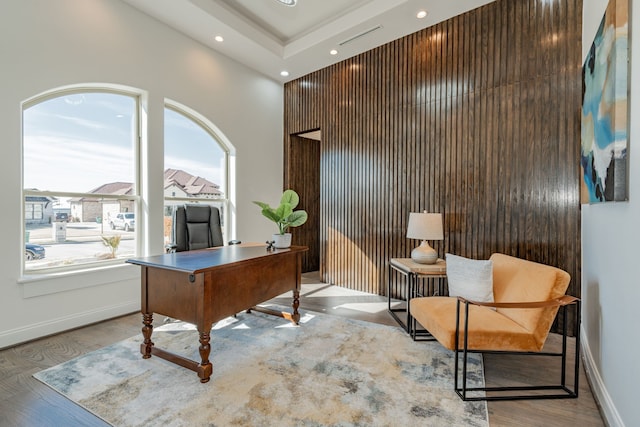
x=25 y=401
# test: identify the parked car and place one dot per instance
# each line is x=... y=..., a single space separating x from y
x=124 y=220
x=62 y=217
x=32 y=252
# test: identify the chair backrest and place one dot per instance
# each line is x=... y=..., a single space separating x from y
x=519 y=280
x=196 y=227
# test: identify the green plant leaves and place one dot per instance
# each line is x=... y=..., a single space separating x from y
x=290 y=197
x=284 y=215
x=284 y=210
x=297 y=218
x=262 y=205
x=271 y=214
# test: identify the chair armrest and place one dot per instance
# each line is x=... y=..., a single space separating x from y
x=556 y=302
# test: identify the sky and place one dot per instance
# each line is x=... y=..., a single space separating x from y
x=78 y=142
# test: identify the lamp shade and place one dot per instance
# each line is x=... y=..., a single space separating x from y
x=425 y=226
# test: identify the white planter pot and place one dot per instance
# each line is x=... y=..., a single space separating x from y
x=282 y=241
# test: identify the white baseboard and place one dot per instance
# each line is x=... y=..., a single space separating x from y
x=38 y=330
x=598 y=388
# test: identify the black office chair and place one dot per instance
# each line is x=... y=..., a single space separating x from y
x=196 y=227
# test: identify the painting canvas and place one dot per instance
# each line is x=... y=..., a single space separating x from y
x=604 y=147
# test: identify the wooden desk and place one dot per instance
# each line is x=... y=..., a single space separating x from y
x=202 y=287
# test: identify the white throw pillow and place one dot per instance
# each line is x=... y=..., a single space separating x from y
x=469 y=278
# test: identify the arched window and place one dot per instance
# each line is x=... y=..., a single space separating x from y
x=80 y=169
x=196 y=165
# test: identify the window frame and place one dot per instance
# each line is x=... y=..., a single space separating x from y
x=136 y=198
x=212 y=131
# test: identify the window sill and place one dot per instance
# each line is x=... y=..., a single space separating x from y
x=51 y=283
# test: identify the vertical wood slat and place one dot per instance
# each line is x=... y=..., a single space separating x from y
x=475 y=117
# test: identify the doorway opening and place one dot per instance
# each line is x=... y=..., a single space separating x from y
x=303 y=176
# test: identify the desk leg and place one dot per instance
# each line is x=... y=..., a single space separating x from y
x=205 y=368
x=295 y=317
x=147 y=329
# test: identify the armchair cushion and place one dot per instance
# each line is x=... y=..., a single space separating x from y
x=469 y=278
x=519 y=280
x=488 y=329
x=505 y=329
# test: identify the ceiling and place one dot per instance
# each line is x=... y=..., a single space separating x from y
x=270 y=37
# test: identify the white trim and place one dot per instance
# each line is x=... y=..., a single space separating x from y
x=45 y=284
x=84 y=88
x=229 y=188
x=54 y=326
x=607 y=408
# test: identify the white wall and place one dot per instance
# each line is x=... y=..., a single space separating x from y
x=47 y=44
x=611 y=265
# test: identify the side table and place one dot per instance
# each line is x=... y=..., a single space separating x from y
x=414 y=275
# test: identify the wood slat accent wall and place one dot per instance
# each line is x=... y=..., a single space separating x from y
x=476 y=117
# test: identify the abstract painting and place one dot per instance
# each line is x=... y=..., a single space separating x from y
x=604 y=146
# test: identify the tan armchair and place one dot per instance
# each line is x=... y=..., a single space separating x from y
x=527 y=297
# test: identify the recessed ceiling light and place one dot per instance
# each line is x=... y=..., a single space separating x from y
x=333 y=52
x=287 y=2
x=421 y=14
x=219 y=39
x=284 y=73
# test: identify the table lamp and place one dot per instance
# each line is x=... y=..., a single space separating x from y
x=425 y=226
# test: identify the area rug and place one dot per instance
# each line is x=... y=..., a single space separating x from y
x=329 y=371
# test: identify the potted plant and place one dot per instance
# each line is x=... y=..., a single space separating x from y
x=284 y=216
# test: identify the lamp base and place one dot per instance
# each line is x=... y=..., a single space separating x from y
x=424 y=254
